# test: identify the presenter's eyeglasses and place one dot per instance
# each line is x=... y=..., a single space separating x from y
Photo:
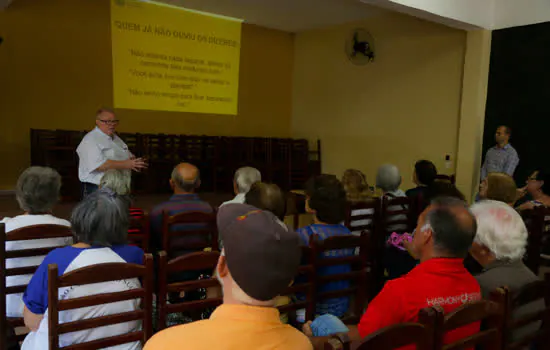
x=109 y=122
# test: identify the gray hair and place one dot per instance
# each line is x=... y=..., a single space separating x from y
x=116 y=180
x=500 y=229
x=101 y=219
x=388 y=178
x=37 y=189
x=245 y=177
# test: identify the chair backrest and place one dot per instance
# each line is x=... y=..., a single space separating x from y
x=139 y=231
x=189 y=262
x=307 y=288
x=360 y=273
x=396 y=215
x=538 y=225
x=202 y=225
x=99 y=273
x=531 y=293
x=22 y=234
x=392 y=337
x=488 y=312
x=369 y=215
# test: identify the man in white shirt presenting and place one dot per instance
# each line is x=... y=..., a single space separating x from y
x=101 y=149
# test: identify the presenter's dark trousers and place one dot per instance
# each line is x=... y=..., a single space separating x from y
x=88 y=188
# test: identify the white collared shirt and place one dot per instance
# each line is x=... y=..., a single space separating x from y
x=239 y=199
x=94 y=150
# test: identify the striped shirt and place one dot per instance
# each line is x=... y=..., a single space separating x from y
x=178 y=203
x=335 y=306
x=500 y=160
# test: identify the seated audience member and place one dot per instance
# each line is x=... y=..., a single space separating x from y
x=267 y=197
x=326 y=201
x=100 y=223
x=396 y=262
x=538 y=187
x=185 y=181
x=424 y=176
x=357 y=191
x=37 y=191
x=499 y=247
x=119 y=181
x=244 y=178
x=500 y=187
x=444 y=235
x=259 y=260
x=388 y=179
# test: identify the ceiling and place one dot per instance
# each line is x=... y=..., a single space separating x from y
x=286 y=15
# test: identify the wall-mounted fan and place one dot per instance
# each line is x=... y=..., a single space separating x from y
x=360 y=47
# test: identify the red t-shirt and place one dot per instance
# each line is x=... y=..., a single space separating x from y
x=438 y=281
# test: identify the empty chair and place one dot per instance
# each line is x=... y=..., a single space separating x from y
x=139 y=231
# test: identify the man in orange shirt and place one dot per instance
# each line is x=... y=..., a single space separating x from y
x=259 y=260
x=444 y=234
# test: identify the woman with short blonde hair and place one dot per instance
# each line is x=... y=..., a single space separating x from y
x=356 y=186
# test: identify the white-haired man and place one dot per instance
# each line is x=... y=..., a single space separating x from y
x=101 y=149
x=499 y=246
x=244 y=178
x=259 y=260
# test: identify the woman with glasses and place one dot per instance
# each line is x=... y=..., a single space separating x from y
x=101 y=150
x=538 y=188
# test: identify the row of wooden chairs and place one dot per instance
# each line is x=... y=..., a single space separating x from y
x=496 y=316
x=538 y=225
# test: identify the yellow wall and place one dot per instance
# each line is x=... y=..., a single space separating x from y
x=55 y=71
x=403 y=107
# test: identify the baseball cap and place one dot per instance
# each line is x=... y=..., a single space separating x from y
x=261 y=253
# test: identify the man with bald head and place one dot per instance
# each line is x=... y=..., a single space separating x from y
x=444 y=234
x=185 y=180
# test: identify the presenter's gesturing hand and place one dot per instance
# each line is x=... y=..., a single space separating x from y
x=137 y=164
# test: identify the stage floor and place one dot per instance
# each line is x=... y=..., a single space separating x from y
x=9 y=206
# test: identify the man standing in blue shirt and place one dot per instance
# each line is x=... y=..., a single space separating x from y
x=501 y=158
x=326 y=200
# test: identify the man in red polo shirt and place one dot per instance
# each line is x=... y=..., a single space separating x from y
x=443 y=237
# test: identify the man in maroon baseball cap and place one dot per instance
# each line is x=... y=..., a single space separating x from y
x=259 y=260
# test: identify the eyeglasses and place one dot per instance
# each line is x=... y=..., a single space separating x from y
x=109 y=122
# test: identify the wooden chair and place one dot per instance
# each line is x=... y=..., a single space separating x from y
x=359 y=276
x=97 y=274
x=139 y=232
x=372 y=217
x=189 y=262
x=396 y=212
x=201 y=224
x=306 y=288
x=538 y=225
x=22 y=234
x=488 y=312
x=538 y=290
x=390 y=338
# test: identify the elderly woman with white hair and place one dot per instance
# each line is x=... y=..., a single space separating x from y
x=396 y=262
x=120 y=182
x=499 y=247
x=37 y=191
